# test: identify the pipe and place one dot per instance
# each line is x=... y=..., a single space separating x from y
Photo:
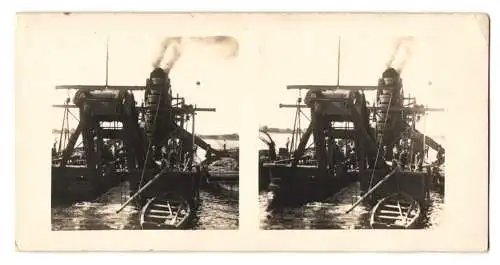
x=369 y=192
x=156 y=177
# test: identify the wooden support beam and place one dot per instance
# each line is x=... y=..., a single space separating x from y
x=365 y=136
x=88 y=145
x=428 y=140
x=205 y=109
x=139 y=107
x=342 y=134
x=407 y=109
x=299 y=152
x=318 y=122
x=198 y=141
x=68 y=150
x=103 y=87
x=64 y=106
x=292 y=106
x=328 y=87
x=112 y=133
x=134 y=143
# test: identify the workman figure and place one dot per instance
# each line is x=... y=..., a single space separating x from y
x=395 y=163
x=120 y=160
x=352 y=158
x=155 y=154
x=403 y=158
x=172 y=159
x=272 y=151
x=395 y=153
x=107 y=155
x=339 y=156
x=188 y=160
x=54 y=152
x=419 y=161
x=440 y=156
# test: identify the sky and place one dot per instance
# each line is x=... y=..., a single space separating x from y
x=441 y=54
x=69 y=52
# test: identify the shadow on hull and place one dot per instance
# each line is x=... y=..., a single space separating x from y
x=302 y=184
x=73 y=184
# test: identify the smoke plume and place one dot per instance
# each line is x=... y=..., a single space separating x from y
x=170 y=44
x=401 y=54
x=172 y=48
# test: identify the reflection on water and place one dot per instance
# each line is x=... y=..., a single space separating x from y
x=216 y=211
x=433 y=214
x=331 y=213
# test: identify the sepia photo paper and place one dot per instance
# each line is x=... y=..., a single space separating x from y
x=252 y=131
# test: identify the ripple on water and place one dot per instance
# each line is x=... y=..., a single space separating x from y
x=331 y=213
x=215 y=212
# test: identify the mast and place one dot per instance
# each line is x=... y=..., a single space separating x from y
x=193 y=134
x=107 y=60
x=338 y=86
x=338 y=65
x=423 y=135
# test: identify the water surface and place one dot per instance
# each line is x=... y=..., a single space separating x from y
x=330 y=214
x=216 y=211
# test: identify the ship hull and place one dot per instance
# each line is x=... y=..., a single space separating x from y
x=74 y=183
x=225 y=181
x=302 y=184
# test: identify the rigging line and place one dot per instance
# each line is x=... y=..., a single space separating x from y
x=107 y=60
x=66 y=133
x=299 y=111
x=150 y=141
x=296 y=134
x=78 y=145
x=399 y=137
x=164 y=140
x=293 y=132
x=296 y=118
x=309 y=146
x=338 y=65
x=62 y=129
x=380 y=142
x=73 y=115
x=305 y=116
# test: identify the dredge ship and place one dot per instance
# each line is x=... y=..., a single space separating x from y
x=347 y=140
x=150 y=146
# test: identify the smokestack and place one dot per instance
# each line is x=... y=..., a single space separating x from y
x=158 y=76
x=390 y=77
x=157 y=99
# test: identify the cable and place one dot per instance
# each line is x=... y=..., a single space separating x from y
x=150 y=141
x=305 y=116
x=380 y=143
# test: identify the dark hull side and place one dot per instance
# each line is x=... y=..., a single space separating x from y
x=227 y=182
x=73 y=184
x=264 y=178
x=415 y=184
x=302 y=184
